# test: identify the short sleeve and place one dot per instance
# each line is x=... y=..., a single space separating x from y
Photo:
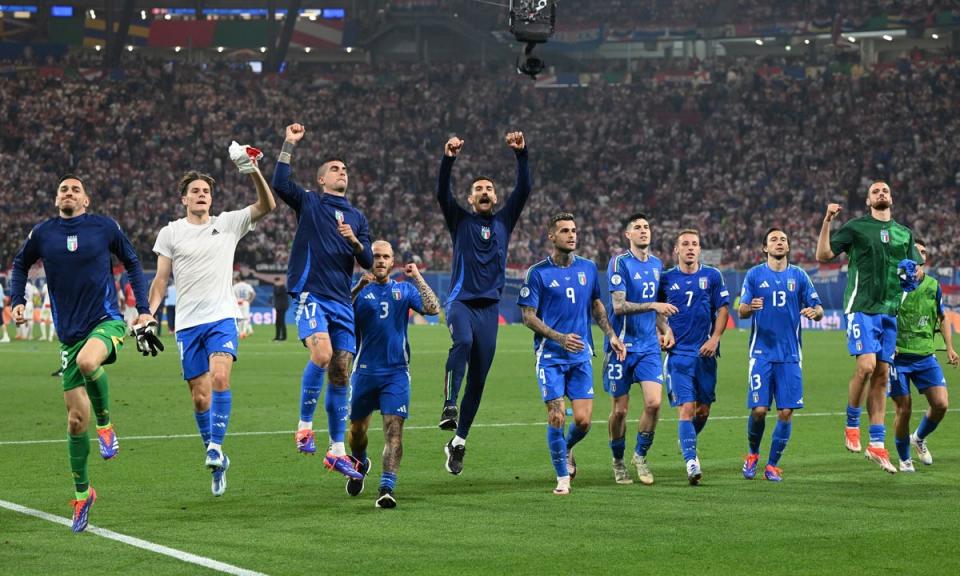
x=615 y=275
x=164 y=244
x=530 y=290
x=746 y=291
x=842 y=239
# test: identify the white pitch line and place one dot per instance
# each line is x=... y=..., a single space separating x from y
x=137 y=542
x=374 y=429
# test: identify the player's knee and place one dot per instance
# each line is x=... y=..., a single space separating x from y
x=865 y=367
x=220 y=379
x=703 y=411
x=903 y=404
x=87 y=364
x=651 y=406
x=759 y=413
x=321 y=357
x=785 y=415
x=77 y=421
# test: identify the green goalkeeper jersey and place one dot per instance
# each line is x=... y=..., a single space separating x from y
x=919 y=318
x=874 y=248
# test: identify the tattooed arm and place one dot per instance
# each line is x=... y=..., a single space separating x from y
x=570 y=342
x=600 y=317
x=621 y=307
x=431 y=304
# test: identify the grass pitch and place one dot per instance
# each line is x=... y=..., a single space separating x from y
x=285 y=514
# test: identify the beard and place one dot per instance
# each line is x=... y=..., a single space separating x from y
x=882 y=205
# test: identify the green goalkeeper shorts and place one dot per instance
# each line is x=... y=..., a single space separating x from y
x=111 y=333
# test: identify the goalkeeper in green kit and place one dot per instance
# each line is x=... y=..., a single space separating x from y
x=875 y=245
x=921 y=315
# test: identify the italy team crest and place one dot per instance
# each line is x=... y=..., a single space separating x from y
x=72 y=243
x=704 y=283
x=338 y=215
x=791 y=285
x=582 y=277
x=485 y=232
x=396 y=294
x=885 y=236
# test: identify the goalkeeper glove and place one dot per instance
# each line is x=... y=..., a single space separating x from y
x=245 y=157
x=148 y=343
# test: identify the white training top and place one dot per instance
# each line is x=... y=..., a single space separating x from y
x=202 y=256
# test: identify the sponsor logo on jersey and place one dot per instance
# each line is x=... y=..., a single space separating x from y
x=485 y=232
x=636 y=276
x=370 y=296
x=228 y=345
x=791 y=285
x=215 y=232
x=554 y=284
x=616 y=279
x=704 y=283
x=582 y=277
x=885 y=236
x=674 y=286
x=402 y=409
x=72 y=243
x=396 y=294
x=764 y=284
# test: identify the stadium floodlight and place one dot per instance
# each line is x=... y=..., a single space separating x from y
x=935 y=36
x=177 y=49
x=789 y=47
x=306 y=49
x=807 y=41
x=532 y=22
x=852 y=39
x=888 y=37
x=143 y=14
x=98 y=47
x=93 y=14
x=219 y=48
x=129 y=47
x=349 y=49
x=263 y=49
x=758 y=42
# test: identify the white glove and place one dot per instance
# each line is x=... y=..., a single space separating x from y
x=245 y=157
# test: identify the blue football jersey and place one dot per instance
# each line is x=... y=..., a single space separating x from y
x=321 y=260
x=381 y=313
x=775 y=329
x=563 y=298
x=698 y=298
x=76 y=257
x=640 y=281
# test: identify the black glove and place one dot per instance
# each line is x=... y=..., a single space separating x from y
x=148 y=343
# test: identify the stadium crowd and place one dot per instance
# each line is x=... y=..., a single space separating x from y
x=733 y=156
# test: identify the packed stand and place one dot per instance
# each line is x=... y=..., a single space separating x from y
x=730 y=158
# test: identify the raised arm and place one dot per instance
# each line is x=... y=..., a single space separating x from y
x=288 y=190
x=448 y=204
x=824 y=251
x=265 y=203
x=365 y=279
x=431 y=304
x=521 y=190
